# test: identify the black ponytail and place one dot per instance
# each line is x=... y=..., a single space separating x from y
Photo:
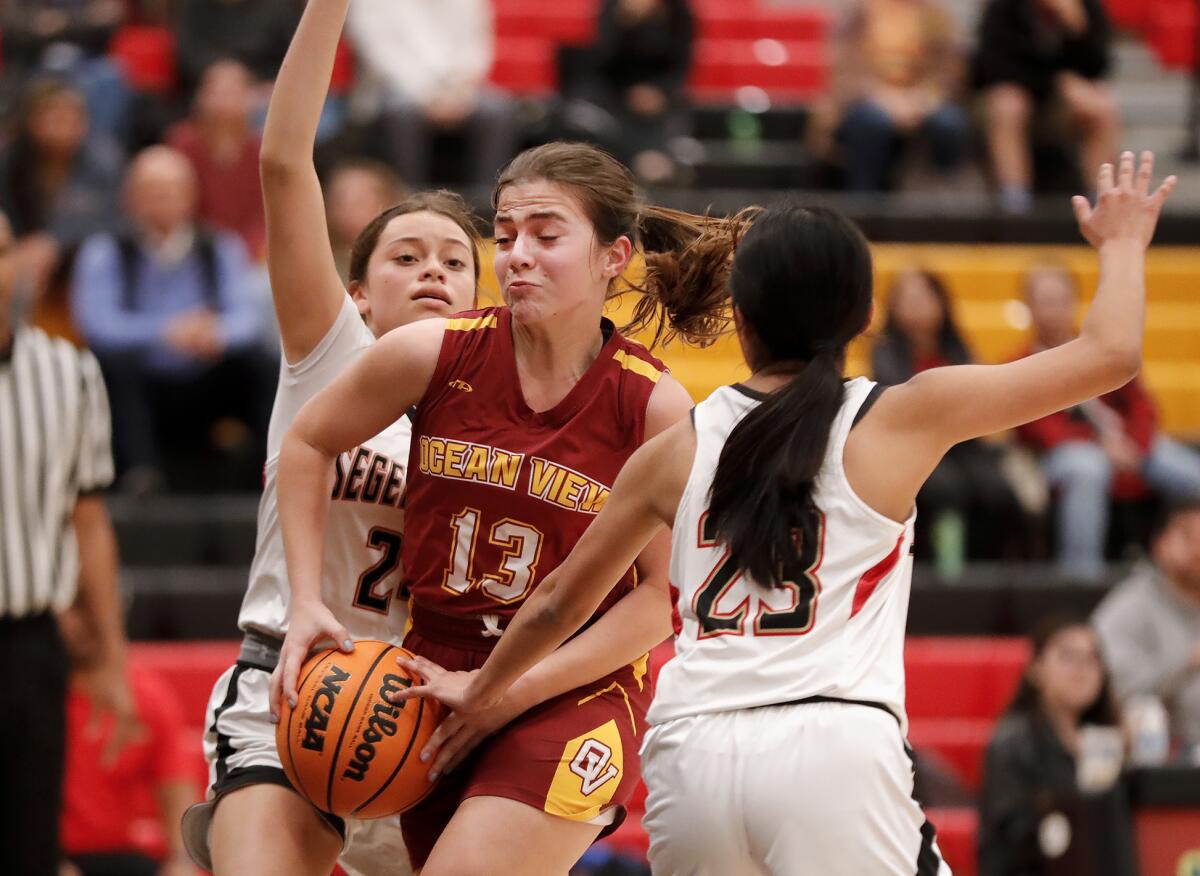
x=802 y=282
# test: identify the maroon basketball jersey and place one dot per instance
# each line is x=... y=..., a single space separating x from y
x=498 y=494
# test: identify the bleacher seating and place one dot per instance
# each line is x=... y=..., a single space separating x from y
x=956 y=689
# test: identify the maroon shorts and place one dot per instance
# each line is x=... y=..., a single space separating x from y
x=574 y=756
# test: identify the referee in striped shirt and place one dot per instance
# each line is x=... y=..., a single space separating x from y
x=56 y=548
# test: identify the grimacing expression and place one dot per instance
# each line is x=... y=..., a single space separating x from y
x=422 y=267
x=548 y=260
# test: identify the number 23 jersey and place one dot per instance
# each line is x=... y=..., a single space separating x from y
x=498 y=494
x=836 y=629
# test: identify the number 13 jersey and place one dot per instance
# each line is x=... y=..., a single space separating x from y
x=835 y=630
x=498 y=494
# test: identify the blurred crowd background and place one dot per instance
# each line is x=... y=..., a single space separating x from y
x=952 y=129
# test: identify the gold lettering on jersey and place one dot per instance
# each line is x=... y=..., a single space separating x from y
x=565 y=487
x=466 y=461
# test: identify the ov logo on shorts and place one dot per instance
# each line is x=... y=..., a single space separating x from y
x=593 y=764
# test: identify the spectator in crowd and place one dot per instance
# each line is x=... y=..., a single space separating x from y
x=357 y=191
x=58 y=547
x=1110 y=446
x=1032 y=54
x=898 y=74
x=223 y=148
x=969 y=483
x=121 y=807
x=636 y=72
x=254 y=32
x=57 y=184
x=1030 y=771
x=69 y=38
x=170 y=313
x=1150 y=624
x=424 y=66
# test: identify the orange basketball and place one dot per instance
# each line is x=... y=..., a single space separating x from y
x=344 y=746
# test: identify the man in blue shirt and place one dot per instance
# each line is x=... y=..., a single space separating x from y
x=169 y=309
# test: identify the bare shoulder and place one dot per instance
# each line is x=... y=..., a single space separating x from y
x=669 y=403
x=660 y=468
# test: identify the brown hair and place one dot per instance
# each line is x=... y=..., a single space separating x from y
x=688 y=257
x=442 y=202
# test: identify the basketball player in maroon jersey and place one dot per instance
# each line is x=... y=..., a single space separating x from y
x=525 y=415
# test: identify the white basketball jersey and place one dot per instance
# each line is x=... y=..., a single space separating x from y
x=361 y=575
x=838 y=631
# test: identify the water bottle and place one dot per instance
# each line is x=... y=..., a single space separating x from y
x=1150 y=730
x=949 y=545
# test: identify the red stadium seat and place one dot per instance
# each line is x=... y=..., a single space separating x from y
x=960 y=741
x=956 y=829
x=146 y=55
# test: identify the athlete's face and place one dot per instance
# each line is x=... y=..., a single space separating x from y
x=916 y=308
x=421 y=268
x=548 y=259
x=1069 y=672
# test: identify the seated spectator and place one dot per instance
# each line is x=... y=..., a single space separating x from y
x=898 y=74
x=636 y=71
x=69 y=40
x=424 y=66
x=1034 y=54
x=121 y=806
x=1150 y=624
x=1108 y=447
x=969 y=483
x=358 y=190
x=168 y=309
x=57 y=185
x=223 y=148
x=254 y=32
x=1030 y=771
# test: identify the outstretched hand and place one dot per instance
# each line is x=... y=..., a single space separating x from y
x=1125 y=207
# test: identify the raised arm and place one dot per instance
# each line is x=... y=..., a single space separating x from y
x=374 y=392
x=304 y=280
x=921 y=419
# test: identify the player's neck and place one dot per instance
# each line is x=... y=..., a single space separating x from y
x=563 y=347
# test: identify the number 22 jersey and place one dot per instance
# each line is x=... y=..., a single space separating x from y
x=498 y=494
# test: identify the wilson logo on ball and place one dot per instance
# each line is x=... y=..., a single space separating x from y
x=322 y=705
x=380 y=725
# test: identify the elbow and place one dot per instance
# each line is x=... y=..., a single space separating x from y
x=276 y=165
x=1121 y=363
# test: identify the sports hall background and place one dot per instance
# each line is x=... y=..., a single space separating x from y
x=752 y=112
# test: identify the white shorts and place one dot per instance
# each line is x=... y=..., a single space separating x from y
x=239 y=745
x=812 y=789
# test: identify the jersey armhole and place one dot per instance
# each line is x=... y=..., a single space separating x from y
x=867 y=404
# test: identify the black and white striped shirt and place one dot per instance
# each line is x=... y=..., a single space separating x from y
x=55 y=444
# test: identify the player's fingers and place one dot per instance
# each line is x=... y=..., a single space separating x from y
x=453 y=753
x=411 y=693
x=339 y=634
x=1164 y=191
x=1083 y=210
x=427 y=669
x=1105 y=180
x=274 y=694
x=290 y=669
x=445 y=731
x=1125 y=172
x=1145 y=173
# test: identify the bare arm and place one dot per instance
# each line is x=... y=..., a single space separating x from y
x=643 y=500
x=921 y=419
x=304 y=281
x=100 y=598
x=370 y=395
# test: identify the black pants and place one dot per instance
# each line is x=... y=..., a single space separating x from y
x=32 y=744
x=155 y=416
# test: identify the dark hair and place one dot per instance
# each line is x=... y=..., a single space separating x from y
x=1028 y=699
x=29 y=210
x=802 y=280
x=442 y=202
x=685 y=291
x=1172 y=510
x=950 y=342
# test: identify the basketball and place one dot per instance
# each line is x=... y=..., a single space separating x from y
x=345 y=747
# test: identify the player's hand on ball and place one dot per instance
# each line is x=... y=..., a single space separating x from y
x=311 y=623
x=469 y=721
x=1125 y=209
